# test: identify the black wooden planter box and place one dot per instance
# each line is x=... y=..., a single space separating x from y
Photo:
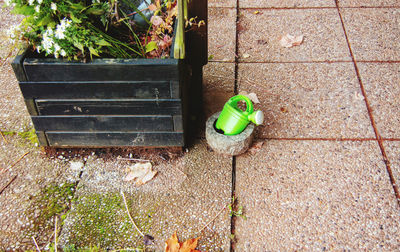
x=107 y=102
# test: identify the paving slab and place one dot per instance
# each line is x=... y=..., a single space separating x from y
x=222 y=33
x=286 y=3
x=381 y=83
x=316 y=195
x=259 y=35
x=13 y=114
x=392 y=149
x=222 y=3
x=218 y=86
x=373 y=33
x=41 y=190
x=307 y=100
x=368 y=3
x=186 y=194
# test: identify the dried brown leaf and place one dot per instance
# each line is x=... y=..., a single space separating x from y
x=256 y=147
x=172 y=244
x=189 y=245
x=142 y=172
x=290 y=40
x=252 y=96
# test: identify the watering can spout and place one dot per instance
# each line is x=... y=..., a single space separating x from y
x=257 y=117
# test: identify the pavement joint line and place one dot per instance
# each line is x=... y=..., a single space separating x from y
x=233 y=196
x=233 y=218
x=319 y=139
x=288 y=8
x=369 y=109
x=370 y=7
x=296 y=62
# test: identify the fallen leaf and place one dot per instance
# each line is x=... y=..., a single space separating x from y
x=256 y=147
x=173 y=245
x=290 y=40
x=142 y=172
x=245 y=56
x=252 y=96
x=284 y=110
x=189 y=245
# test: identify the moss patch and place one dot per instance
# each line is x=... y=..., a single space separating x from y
x=53 y=200
x=101 y=220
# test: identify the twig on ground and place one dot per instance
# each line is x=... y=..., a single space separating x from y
x=55 y=234
x=130 y=217
x=3 y=171
x=4 y=138
x=135 y=159
x=36 y=245
x=213 y=219
x=4 y=187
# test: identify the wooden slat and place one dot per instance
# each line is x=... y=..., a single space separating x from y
x=109 y=107
x=103 y=123
x=95 y=90
x=109 y=139
x=101 y=70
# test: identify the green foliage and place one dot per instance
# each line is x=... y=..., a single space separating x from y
x=29 y=135
x=87 y=29
x=235 y=210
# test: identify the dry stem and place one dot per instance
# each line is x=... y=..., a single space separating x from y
x=213 y=219
x=3 y=171
x=130 y=217
x=55 y=234
x=36 y=245
x=2 y=135
x=4 y=187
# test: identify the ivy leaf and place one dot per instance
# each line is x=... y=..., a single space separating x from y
x=152 y=45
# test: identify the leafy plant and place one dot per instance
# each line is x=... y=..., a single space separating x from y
x=86 y=29
x=235 y=210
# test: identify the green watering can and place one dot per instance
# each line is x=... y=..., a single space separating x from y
x=233 y=120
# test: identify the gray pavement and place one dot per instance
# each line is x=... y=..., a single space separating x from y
x=325 y=178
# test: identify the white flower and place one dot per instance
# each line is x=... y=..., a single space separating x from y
x=48 y=32
x=30 y=2
x=63 y=53
x=38 y=48
x=53 y=6
x=7 y=2
x=55 y=54
x=40 y=1
x=59 y=33
x=65 y=23
x=37 y=8
x=56 y=48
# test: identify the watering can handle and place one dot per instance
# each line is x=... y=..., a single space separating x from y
x=249 y=105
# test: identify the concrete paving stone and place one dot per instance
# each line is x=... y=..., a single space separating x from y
x=324 y=39
x=286 y=3
x=316 y=195
x=23 y=204
x=222 y=3
x=374 y=33
x=368 y=3
x=13 y=114
x=381 y=83
x=218 y=86
x=185 y=194
x=222 y=33
x=393 y=153
x=307 y=100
